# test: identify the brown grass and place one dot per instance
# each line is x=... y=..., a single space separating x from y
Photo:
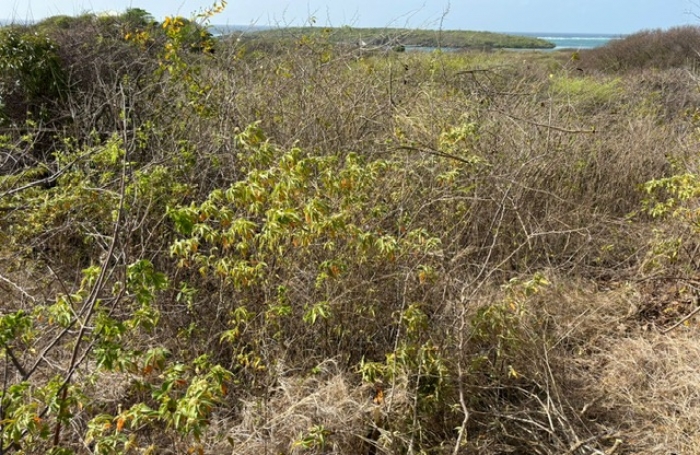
x=292 y=408
x=649 y=379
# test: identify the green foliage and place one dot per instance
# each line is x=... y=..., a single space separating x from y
x=77 y=195
x=21 y=415
x=314 y=439
x=185 y=34
x=296 y=213
x=14 y=326
x=131 y=20
x=585 y=92
x=673 y=198
x=30 y=72
x=460 y=140
x=184 y=396
x=75 y=218
x=497 y=328
x=670 y=196
x=137 y=17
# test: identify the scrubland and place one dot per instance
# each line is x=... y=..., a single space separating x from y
x=310 y=248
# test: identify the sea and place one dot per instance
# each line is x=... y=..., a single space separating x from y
x=573 y=40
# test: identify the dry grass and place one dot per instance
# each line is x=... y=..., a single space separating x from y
x=624 y=376
x=650 y=381
x=292 y=408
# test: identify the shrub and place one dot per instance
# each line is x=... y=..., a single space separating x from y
x=32 y=75
x=660 y=49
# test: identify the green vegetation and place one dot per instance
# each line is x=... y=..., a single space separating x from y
x=220 y=246
x=394 y=37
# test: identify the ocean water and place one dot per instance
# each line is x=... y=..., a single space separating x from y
x=574 y=40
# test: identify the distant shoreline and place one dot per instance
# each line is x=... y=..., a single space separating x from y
x=393 y=38
x=561 y=40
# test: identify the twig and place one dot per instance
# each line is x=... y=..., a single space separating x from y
x=430 y=151
x=593 y=438
x=472 y=71
x=462 y=433
x=14 y=360
x=18 y=288
x=50 y=179
x=91 y=303
x=616 y=445
x=683 y=319
x=551 y=127
x=2 y=408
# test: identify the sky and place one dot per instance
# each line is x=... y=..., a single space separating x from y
x=533 y=16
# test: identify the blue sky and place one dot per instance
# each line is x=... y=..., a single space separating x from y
x=575 y=16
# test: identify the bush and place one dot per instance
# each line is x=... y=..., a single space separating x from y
x=32 y=75
x=659 y=49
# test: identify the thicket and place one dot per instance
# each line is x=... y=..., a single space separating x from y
x=676 y=47
x=315 y=251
